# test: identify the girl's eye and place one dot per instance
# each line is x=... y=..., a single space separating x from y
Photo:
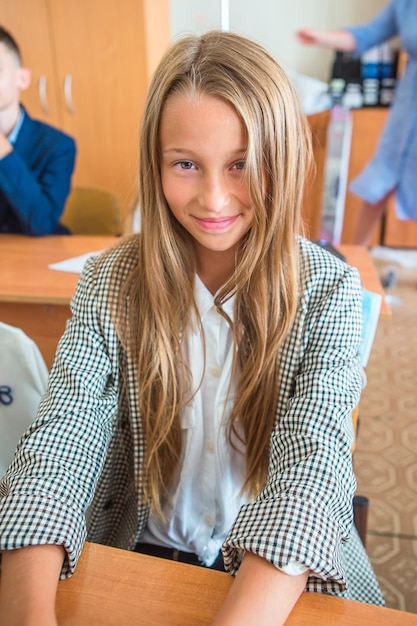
x=240 y=165
x=185 y=165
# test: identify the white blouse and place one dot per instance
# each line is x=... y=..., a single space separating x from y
x=205 y=495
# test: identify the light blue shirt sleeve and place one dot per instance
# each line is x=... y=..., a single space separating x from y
x=381 y=28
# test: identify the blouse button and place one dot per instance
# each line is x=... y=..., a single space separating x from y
x=209 y=519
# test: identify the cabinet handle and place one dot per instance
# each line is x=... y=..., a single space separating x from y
x=42 y=95
x=68 y=93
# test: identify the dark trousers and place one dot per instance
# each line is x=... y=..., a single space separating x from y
x=178 y=555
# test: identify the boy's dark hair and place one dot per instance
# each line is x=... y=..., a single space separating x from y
x=10 y=43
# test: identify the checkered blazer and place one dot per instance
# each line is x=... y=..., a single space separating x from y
x=78 y=471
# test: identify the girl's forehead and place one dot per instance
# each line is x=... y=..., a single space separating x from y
x=192 y=98
x=195 y=114
x=196 y=102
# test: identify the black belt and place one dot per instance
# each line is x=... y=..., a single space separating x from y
x=177 y=555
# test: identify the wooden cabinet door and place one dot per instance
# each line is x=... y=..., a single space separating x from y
x=92 y=60
x=313 y=198
x=102 y=74
x=28 y=23
x=367 y=125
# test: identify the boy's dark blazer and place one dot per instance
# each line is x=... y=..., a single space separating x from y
x=35 y=180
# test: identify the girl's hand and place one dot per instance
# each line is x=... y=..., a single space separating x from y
x=26 y=618
x=260 y=594
x=28 y=587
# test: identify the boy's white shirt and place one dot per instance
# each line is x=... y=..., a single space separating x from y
x=14 y=133
x=205 y=495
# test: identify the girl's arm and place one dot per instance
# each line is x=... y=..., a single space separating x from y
x=28 y=585
x=53 y=476
x=304 y=512
x=341 y=40
x=260 y=594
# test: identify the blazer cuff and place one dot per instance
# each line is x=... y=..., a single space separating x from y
x=34 y=519
x=287 y=530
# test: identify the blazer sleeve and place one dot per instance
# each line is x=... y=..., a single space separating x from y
x=381 y=28
x=52 y=479
x=38 y=195
x=304 y=512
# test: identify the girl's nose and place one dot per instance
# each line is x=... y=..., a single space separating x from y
x=214 y=194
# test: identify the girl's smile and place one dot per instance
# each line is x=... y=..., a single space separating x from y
x=216 y=225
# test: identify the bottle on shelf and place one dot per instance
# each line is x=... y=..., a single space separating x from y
x=370 y=76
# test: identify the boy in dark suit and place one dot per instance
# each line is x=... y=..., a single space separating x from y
x=36 y=160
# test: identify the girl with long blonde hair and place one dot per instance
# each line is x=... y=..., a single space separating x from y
x=199 y=405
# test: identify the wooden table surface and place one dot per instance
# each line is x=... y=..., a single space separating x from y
x=119 y=588
x=26 y=278
x=24 y=261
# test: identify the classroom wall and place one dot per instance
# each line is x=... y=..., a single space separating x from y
x=273 y=23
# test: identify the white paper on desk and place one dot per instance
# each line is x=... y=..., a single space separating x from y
x=74 y=265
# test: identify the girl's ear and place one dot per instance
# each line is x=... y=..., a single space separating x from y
x=24 y=78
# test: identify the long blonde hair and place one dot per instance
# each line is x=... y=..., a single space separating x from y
x=157 y=301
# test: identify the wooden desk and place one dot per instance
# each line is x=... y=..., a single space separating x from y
x=359 y=257
x=120 y=588
x=34 y=297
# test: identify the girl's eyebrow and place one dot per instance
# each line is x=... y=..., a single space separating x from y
x=239 y=151
x=179 y=150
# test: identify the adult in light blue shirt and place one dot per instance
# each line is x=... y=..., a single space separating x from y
x=394 y=165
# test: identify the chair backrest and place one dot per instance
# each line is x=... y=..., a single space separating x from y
x=23 y=380
x=90 y=211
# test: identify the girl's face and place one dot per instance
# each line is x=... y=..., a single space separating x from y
x=203 y=145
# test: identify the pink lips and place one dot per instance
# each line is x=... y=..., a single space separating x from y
x=216 y=225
